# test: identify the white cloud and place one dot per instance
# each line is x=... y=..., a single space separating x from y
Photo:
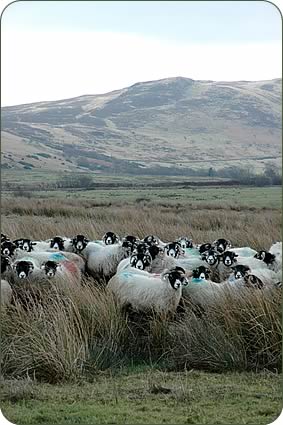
x=40 y=66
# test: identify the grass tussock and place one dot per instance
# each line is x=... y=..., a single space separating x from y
x=241 y=331
x=75 y=334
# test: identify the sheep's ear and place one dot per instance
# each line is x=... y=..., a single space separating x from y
x=14 y=265
x=42 y=266
x=18 y=241
x=33 y=243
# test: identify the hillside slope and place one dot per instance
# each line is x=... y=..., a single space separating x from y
x=171 y=122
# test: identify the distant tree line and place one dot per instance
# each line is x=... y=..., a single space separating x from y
x=245 y=176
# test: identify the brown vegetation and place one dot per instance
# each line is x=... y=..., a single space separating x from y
x=76 y=332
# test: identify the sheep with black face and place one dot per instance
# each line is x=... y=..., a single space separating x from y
x=77 y=244
x=185 y=242
x=110 y=238
x=25 y=244
x=221 y=245
x=103 y=261
x=173 y=249
x=8 y=248
x=201 y=291
x=145 y=292
x=139 y=261
x=56 y=243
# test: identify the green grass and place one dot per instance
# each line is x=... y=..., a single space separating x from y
x=147 y=397
x=218 y=197
x=24 y=177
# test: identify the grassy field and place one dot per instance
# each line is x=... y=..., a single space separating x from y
x=84 y=362
x=147 y=396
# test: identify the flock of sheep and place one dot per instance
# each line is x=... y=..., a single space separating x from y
x=142 y=274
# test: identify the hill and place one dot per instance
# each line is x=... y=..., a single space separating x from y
x=174 y=122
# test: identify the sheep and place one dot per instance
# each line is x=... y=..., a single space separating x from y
x=212 y=258
x=77 y=244
x=103 y=262
x=145 y=292
x=272 y=258
x=265 y=276
x=35 y=269
x=66 y=271
x=25 y=268
x=245 y=251
x=160 y=260
x=204 y=247
x=140 y=261
x=239 y=272
x=276 y=249
x=201 y=291
x=110 y=238
x=56 y=243
x=227 y=260
x=25 y=244
x=4 y=237
x=153 y=240
x=221 y=245
x=6 y=293
x=185 y=242
x=173 y=249
x=8 y=248
x=252 y=262
x=54 y=255
x=131 y=239
x=142 y=248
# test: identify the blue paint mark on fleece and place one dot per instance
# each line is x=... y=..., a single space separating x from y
x=197 y=280
x=57 y=257
x=192 y=251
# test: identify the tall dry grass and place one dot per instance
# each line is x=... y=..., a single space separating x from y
x=66 y=334
x=81 y=331
x=41 y=219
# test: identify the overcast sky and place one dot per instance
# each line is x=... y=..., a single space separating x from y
x=55 y=50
